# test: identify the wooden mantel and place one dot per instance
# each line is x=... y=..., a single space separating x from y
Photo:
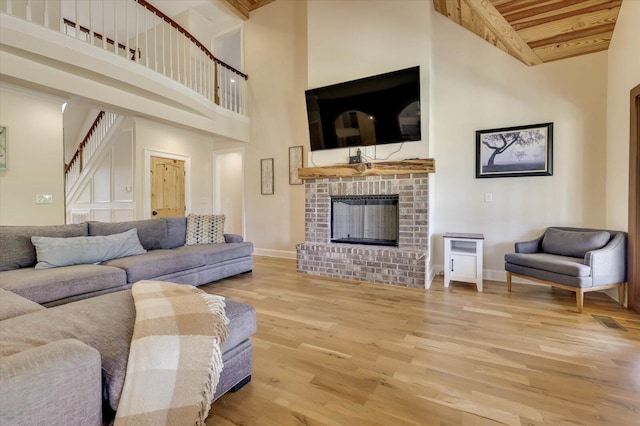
x=426 y=165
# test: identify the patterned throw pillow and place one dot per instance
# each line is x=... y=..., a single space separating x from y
x=205 y=229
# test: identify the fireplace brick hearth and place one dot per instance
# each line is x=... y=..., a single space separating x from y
x=403 y=265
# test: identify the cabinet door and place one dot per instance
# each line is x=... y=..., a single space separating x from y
x=462 y=267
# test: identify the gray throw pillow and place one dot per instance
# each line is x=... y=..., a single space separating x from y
x=573 y=243
x=54 y=252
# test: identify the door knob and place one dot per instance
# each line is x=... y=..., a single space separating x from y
x=155 y=213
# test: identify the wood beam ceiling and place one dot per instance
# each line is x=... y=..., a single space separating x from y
x=536 y=31
x=242 y=8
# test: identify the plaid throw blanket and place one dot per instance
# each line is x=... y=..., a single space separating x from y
x=175 y=358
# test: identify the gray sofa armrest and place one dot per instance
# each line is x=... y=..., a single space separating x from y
x=609 y=264
x=532 y=246
x=55 y=384
x=233 y=238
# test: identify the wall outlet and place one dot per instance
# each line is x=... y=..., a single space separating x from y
x=488 y=197
x=44 y=198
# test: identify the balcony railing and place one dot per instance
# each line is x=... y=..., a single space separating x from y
x=136 y=30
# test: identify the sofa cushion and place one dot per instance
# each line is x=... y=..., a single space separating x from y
x=12 y=305
x=573 y=243
x=156 y=263
x=216 y=253
x=151 y=232
x=47 y=285
x=242 y=323
x=176 y=232
x=55 y=384
x=565 y=265
x=205 y=229
x=104 y=323
x=16 y=249
x=55 y=252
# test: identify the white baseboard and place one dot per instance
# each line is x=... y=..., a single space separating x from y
x=491 y=275
x=283 y=254
x=431 y=275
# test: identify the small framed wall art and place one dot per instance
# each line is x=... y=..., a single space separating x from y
x=515 y=151
x=295 y=162
x=266 y=176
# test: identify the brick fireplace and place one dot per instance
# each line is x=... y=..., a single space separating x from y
x=403 y=264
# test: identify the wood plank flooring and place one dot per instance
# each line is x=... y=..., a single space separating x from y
x=332 y=352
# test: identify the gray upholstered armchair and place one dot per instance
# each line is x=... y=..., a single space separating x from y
x=574 y=259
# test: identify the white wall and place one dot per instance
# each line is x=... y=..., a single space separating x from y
x=35 y=158
x=476 y=86
x=351 y=39
x=228 y=191
x=275 y=51
x=150 y=135
x=623 y=75
x=288 y=41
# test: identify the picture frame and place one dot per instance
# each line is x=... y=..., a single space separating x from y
x=3 y=147
x=515 y=151
x=266 y=176
x=296 y=161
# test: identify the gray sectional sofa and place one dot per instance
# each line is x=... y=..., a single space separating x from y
x=65 y=363
x=167 y=259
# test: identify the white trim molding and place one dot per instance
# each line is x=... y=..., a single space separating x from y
x=282 y=254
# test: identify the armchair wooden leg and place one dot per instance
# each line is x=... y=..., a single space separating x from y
x=509 y=281
x=580 y=299
x=621 y=293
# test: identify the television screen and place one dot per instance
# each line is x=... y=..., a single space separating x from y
x=370 y=111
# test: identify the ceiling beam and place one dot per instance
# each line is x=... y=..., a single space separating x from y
x=238 y=8
x=503 y=30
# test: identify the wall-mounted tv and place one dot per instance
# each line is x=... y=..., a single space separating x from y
x=374 y=110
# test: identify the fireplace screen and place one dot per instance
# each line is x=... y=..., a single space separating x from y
x=367 y=219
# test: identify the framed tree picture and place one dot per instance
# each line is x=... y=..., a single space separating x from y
x=515 y=151
x=266 y=176
x=295 y=162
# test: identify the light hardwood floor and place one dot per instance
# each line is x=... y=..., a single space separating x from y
x=345 y=353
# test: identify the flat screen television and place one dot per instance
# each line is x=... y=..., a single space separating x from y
x=375 y=110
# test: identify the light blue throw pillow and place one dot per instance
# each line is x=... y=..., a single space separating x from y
x=53 y=252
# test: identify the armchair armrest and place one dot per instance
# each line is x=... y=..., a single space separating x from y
x=609 y=264
x=233 y=238
x=57 y=383
x=532 y=246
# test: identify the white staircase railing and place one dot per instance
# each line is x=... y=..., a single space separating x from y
x=138 y=31
x=89 y=145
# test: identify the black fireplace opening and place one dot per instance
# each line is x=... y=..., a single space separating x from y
x=365 y=219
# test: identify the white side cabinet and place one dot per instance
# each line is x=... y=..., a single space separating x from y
x=463 y=258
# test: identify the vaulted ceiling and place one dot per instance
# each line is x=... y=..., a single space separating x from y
x=537 y=31
x=532 y=31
